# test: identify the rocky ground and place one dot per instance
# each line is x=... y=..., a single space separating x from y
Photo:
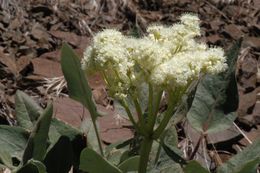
x=31 y=34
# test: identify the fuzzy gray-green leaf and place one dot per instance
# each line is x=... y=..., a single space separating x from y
x=89 y=159
x=33 y=166
x=78 y=87
x=216 y=98
x=131 y=164
x=194 y=166
x=26 y=110
x=60 y=158
x=205 y=114
x=37 y=145
x=239 y=161
x=13 y=140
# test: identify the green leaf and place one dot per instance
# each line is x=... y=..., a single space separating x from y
x=59 y=128
x=118 y=152
x=89 y=160
x=231 y=101
x=78 y=87
x=194 y=166
x=204 y=116
x=26 y=110
x=32 y=166
x=174 y=153
x=2 y=166
x=13 y=141
x=88 y=129
x=64 y=129
x=167 y=166
x=170 y=136
x=170 y=144
x=216 y=98
x=125 y=155
x=232 y=54
x=37 y=145
x=59 y=159
x=189 y=97
x=78 y=140
x=6 y=159
x=131 y=164
x=242 y=161
x=118 y=145
x=114 y=156
x=250 y=167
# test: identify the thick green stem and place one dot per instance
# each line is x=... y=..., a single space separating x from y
x=146 y=147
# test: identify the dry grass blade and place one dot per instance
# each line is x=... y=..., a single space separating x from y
x=214 y=154
x=204 y=147
x=84 y=27
x=245 y=136
x=55 y=85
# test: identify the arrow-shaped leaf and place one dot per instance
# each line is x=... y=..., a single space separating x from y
x=92 y=162
x=26 y=110
x=13 y=141
x=37 y=145
x=216 y=98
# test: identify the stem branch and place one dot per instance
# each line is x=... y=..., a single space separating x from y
x=131 y=118
x=98 y=138
x=139 y=112
x=174 y=99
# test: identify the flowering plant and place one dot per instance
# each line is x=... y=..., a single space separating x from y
x=139 y=73
x=167 y=60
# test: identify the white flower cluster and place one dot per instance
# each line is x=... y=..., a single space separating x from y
x=166 y=56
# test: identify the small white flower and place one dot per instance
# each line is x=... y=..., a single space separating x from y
x=108 y=36
x=168 y=56
x=159 y=33
x=192 y=22
x=176 y=71
x=148 y=54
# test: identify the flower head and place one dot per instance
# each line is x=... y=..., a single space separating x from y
x=159 y=33
x=192 y=22
x=168 y=55
x=108 y=36
x=176 y=71
x=148 y=54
